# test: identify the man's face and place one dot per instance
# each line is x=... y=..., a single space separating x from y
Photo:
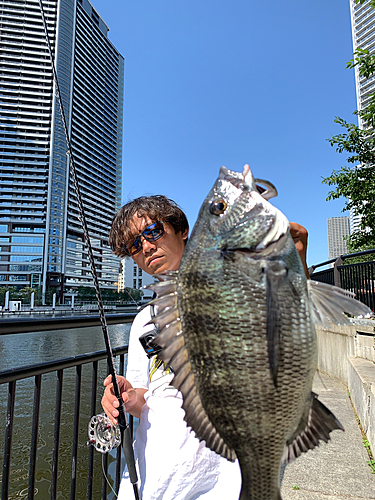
x=161 y=255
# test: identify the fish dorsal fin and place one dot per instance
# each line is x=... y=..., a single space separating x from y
x=329 y=303
x=320 y=423
x=174 y=352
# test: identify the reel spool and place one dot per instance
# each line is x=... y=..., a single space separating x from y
x=104 y=436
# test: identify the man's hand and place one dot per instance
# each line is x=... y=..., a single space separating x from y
x=133 y=398
x=299 y=235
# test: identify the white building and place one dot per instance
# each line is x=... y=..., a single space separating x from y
x=337 y=228
x=363 y=33
x=132 y=276
x=354 y=221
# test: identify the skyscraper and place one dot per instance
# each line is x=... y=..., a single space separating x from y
x=337 y=228
x=363 y=33
x=40 y=232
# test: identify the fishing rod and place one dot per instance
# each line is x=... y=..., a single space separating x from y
x=100 y=428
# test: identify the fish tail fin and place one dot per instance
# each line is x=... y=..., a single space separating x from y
x=320 y=423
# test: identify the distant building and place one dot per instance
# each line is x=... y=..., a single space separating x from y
x=133 y=276
x=41 y=237
x=337 y=228
x=363 y=33
x=354 y=221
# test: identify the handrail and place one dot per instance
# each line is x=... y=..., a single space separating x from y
x=358 y=278
x=78 y=388
x=11 y=374
x=343 y=257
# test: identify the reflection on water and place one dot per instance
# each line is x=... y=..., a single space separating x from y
x=30 y=348
x=26 y=349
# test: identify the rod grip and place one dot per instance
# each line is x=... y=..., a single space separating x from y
x=127 y=442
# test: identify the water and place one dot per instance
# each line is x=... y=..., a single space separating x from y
x=33 y=348
x=24 y=349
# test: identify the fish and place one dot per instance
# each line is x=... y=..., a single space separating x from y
x=236 y=324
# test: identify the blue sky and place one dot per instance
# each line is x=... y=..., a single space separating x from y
x=219 y=82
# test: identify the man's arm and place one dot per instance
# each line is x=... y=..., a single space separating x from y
x=299 y=235
x=133 y=398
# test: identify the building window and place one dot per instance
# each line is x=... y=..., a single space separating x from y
x=134 y=283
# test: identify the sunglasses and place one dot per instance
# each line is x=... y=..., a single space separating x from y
x=151 y=233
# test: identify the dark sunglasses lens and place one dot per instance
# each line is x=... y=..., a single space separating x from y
x=136 y=246
x=154 y=232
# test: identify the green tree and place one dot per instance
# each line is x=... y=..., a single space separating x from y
x=356 y=182
x=25 y=294
x=86 y=293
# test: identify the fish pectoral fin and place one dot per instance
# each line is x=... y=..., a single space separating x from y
x=330 y=303
x=320 y=423
x=278 y=287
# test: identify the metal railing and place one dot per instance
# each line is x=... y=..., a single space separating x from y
x=83 y=464
x=358 y=278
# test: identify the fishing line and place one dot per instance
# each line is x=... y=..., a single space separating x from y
x=126 y=437
x=106 y=478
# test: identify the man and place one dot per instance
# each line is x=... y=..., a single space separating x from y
x=172 y=463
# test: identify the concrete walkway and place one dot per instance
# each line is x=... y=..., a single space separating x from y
x=337 y=470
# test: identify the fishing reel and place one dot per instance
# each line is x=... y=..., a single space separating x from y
x=104 y=436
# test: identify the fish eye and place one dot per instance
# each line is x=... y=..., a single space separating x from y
x=218 y=207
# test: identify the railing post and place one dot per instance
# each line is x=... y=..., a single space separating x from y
x=336 y=272
x=8 y=439
x=34 y=436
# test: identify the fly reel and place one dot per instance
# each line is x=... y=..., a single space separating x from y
x=103 y=434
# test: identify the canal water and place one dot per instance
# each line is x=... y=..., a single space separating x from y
x=33 y=348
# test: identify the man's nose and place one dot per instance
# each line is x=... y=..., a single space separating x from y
x=147 y=245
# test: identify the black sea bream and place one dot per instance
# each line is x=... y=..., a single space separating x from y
x=237 y=327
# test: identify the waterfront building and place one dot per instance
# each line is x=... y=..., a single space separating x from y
x=337 y=228
x=132 y=276
x=41 y=237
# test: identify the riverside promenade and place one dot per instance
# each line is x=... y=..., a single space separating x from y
x=337 y=470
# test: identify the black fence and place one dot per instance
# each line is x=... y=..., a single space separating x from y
x=48 y=455
x=358 y=278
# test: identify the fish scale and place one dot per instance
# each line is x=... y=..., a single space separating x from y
x=237 y=327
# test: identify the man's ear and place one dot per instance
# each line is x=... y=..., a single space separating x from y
x=185 y=234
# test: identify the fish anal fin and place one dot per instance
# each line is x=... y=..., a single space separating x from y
x=320 y=423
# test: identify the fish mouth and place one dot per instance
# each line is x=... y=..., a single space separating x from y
x=274 y=238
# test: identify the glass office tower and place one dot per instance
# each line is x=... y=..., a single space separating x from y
x=41 y=238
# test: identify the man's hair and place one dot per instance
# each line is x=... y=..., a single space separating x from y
x=156 y=208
